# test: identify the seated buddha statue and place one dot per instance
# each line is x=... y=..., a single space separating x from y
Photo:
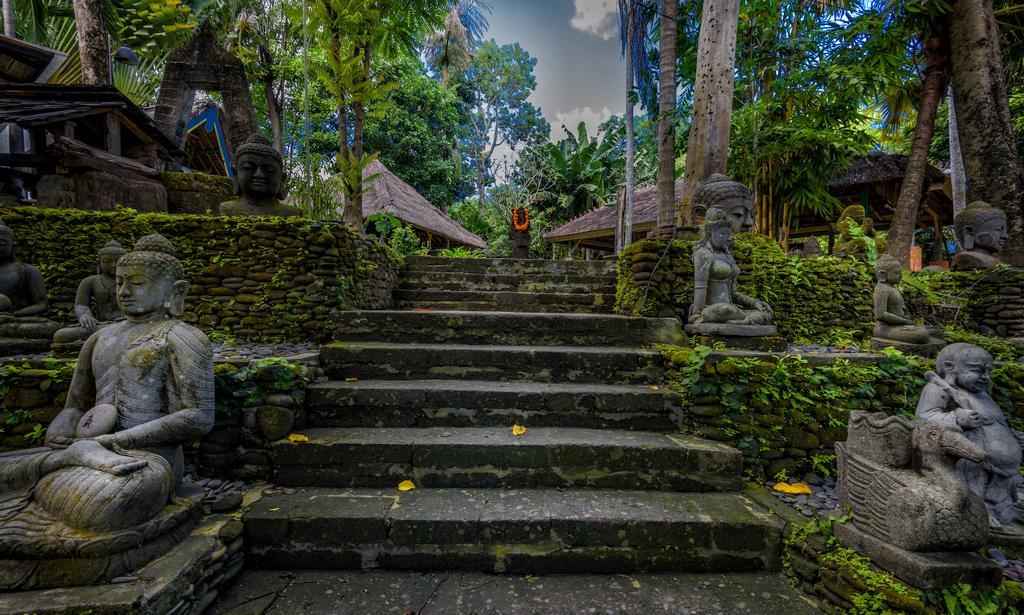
x=105 y=487
x=893 y=324
x=729 y=196
x=718 y=307
x=856 y=232
x=95 y=301
x=259 y=181
x=981 y=231
x=23 y=304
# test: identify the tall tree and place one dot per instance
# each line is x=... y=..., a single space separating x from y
x=93 y=46
x=501 y=81
x=666 y=116
x=994 y=169
x=934 y=81
x=450 y=49
x=8 y=17
x=957 y=175
x=708 y=145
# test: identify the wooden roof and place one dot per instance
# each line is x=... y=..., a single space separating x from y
x=24 y=62
x=40 y=104
x=388 y=193
x=600 y=221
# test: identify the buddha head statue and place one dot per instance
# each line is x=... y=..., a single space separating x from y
x=151 y=281
x=108 y=256
x=888 y=270
x=981 y=227
x=716 y=232
x=259 y=170
x=729 y=196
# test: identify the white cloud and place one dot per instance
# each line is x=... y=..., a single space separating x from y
x=597 y=17
x=572 y=119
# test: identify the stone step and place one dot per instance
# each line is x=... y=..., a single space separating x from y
x=516 y=286
x=509 y=266
x=467 y=403
x=593 y=364
x=397 y=592
x=460 y=280
x=485 y=306
x=512 y=328
x=506 y=301
x=495 y=457
x=517 y=531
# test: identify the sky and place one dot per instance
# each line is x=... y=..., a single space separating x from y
x=580 y=72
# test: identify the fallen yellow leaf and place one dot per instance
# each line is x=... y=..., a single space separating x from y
x=793 y=489
x=518 y=430
x=654 y=387
x=406 y=485
x=297 y=437
x=351 y=379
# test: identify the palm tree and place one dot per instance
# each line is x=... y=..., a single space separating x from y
x=93 y=47
x=666 y=116
x=449 y=50
x=8 y=16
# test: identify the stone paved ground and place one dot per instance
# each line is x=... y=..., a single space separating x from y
x=453 y=593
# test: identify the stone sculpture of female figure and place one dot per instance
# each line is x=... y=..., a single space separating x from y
x=716 y=298
x=112 y=462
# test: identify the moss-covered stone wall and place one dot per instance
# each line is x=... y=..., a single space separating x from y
x=252 y=278
x=785 y=412
x=813 y=299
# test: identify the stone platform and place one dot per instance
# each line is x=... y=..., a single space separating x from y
x=922 y=570
x=921 y=350
x=764 y=338
x=357 y=593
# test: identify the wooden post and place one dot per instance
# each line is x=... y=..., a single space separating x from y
x=112 y=134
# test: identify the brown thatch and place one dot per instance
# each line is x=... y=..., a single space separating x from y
x=879 y=168
x=595 y=225
x=388 y=193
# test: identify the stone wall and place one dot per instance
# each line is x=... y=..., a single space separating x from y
x=252 y=278
x=196 y=193
x=996 y=302
x=785 y=412
x=813 y=299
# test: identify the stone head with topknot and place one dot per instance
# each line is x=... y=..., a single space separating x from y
x=720 y=192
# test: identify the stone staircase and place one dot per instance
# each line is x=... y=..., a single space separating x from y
x=492 y=284
x=600 y=482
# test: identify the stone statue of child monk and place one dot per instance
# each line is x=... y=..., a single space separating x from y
x=259 y=181
x=112 y=459
x=96 y=299
x=959 y=395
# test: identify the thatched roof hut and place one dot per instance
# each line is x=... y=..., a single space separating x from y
x=596 y=228
x=388 y=193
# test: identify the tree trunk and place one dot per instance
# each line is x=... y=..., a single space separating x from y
x=354 y=212
x=933 y=86
x=274 y=106
x=994 y=170
x=956 y=159
x=8 y=8
x=707 y=150
x=92 y=42
x=667 y=112
x=481 y=182
x=627 y=196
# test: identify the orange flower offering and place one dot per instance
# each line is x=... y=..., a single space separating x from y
x=515 y=218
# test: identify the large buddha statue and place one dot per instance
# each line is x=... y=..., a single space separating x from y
x=856 y=234
x=23 y=325
x=95 y=301
x=981 y=231
x=729 y=196
x=893 y=325
x=104 y=490
x=719 y=308
x=259 y=181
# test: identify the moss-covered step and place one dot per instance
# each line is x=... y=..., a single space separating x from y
x=504 y=301
x=514 y=328
x=593 y=364
x=464 y=403
x=519 y=531
x=509 y=266
x=496 y=457
x=501 y=281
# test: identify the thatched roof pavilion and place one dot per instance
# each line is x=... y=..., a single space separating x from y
x=873 y=181
x=388 y=193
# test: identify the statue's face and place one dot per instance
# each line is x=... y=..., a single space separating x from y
x=259 y=176
x=991 y=234
x=6 y=247
x=972 y=371
x=108 y=264
x=740 y=212
x=891 y=276
x=721 y=238
x=141 y=291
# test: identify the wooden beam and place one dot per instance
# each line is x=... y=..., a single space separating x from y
x=112 y=134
